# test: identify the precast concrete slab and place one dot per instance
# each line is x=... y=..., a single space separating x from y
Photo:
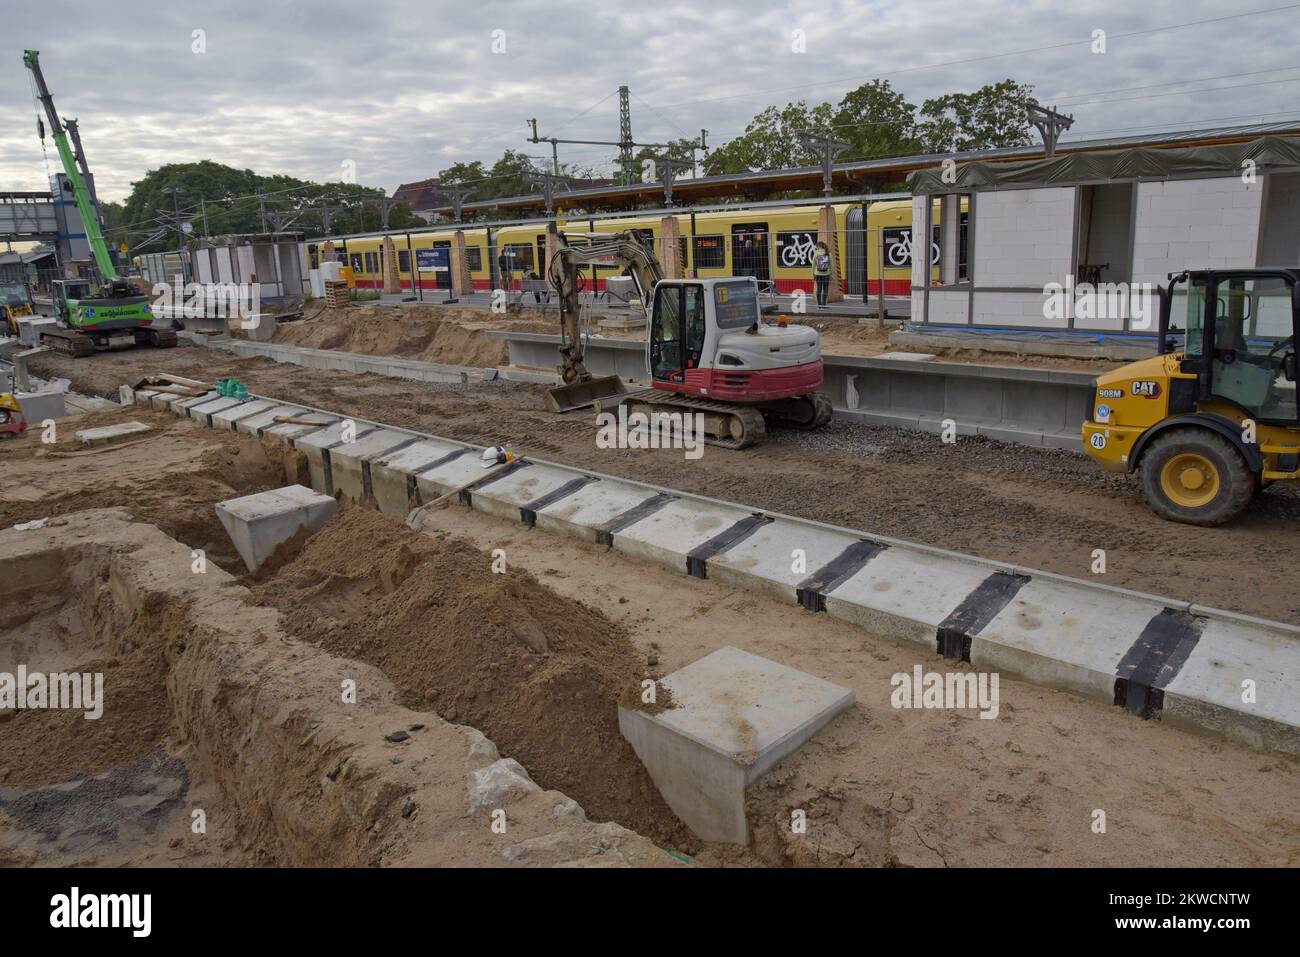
x=258 y=524
x=1056 y=634
x=226 y=418
x=393 y=474
x=181 y=406
x=1239 y=679
x=202 y=412
x=524 y=489
x=350 y=462
x=905 y=595
x=107 y=434
x=452 y=473
x=734 y=716
x=259 y=422
x=670 y=534
x=779 y=556
x=316 y=444
x=593 y=506
x=289 y=432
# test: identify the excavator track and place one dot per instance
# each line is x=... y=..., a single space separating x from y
x=68 y=342
x=805 y=413
x=158 y=338
x=744 y=424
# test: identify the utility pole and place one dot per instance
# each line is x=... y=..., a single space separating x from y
x=546 y=181
x=827 y=148
x=385 y=205
x=703 y=146
x=625 y=143
x=261 y=209
x=668 y=168
x=1050 y=125
x=457 y=196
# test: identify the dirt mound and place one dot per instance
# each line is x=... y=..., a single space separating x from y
x=537 y=673
x=453 y=337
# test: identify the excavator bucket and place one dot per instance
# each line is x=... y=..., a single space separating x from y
x=580 y=395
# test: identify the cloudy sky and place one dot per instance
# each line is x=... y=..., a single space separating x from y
x=400 y=89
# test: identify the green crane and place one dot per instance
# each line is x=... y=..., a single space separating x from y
x=115 y=315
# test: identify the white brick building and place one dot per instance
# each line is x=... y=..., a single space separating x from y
x=1123 y=217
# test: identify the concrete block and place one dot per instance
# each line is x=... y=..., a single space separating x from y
x=392 y=475
x=766 y=558
x=202 y=412
x=505 y=496
x=734 y=717
x=111 y=433
x=1208 y=690
x=259 y=422
x=669 y=534
x=1058 y=634
x=449 y=475
x=258 y=524
x=591 y=507
x=904 y=594
x=350 y=462
x=315 y=443
x=39 y=406
x=179 y=405
x=226 y=418
x=31 y=327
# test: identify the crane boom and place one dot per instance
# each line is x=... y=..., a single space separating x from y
x=80 y=191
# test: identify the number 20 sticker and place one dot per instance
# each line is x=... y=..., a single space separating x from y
x=1098 y=440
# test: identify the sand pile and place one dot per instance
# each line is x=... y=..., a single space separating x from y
x=453 y=337
x=537 y=673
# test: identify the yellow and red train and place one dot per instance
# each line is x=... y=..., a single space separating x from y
x=772 y=244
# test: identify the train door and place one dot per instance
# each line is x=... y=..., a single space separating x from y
x=855 y=252
x=749 y=251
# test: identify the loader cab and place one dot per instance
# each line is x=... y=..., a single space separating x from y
x=1236 y=331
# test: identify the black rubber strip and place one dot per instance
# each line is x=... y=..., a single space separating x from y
x=441 y=461
x=1155 y=660
x=529 y=512
x=367 y=483
x=697 y=559
x=466 y=496
x=977 y=609
x=605 y=533
x=812 y=590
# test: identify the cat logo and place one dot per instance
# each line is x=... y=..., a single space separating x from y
x=1147 y=388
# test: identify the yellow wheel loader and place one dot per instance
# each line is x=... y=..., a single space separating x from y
x=1213 y=418
x=15 y=303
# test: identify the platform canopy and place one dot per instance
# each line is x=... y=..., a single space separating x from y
x=1269 y=154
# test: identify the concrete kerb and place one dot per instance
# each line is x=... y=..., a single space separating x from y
x=1190 y=698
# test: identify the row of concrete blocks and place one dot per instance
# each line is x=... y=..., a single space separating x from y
x=1186 y=663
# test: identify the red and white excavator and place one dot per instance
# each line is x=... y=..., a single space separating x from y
x=708 y=348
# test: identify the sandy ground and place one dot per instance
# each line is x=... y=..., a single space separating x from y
x=934 y=788
x=1040 y=508
x=535 y=658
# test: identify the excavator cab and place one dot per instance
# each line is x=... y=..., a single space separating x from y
x=1214 y=417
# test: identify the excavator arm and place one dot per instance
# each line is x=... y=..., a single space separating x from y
x=564 y=273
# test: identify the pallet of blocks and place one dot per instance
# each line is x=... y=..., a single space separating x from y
x=336 y=292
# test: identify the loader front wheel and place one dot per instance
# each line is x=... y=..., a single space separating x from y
x=1195 y=476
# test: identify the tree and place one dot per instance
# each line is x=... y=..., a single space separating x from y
x=992 y=117
x=772 y=140
x=877 y=121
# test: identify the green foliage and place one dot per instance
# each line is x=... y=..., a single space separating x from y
x=229 y=198
x=878 y=121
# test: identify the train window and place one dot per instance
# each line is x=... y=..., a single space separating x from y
x=749 y=250
x=474 y=256
x=403 y=260
x=519 y=257
x=372 y=262
x=710 y=252
x=357 y=263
